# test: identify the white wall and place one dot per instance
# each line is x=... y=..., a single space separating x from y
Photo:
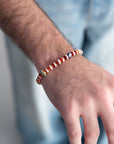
x=8 y=131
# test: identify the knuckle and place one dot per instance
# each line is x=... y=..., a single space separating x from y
x=104 y=98
x=111 y=81
x=68 y=113
x=102 y=94
x=93 y=134
x=70 y=123
x=70 y=107
x=74 y=134
x=110 y=133
x=87 y=101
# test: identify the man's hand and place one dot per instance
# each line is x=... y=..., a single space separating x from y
x=79 y=88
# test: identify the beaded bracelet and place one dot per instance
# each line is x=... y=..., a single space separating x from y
x=43 y=73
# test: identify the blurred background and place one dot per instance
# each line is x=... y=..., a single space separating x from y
x=8 y=129
x=26 y=114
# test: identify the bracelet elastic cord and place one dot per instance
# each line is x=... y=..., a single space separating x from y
x=43 y=73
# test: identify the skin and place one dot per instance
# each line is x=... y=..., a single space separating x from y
x=77 y=88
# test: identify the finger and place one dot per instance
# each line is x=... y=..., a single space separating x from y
x=74 y=130
x=108 y=122
x=91 y=128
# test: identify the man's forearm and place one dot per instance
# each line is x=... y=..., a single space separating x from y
x=30 y=28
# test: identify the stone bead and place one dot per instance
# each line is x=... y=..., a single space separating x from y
x=48 y=68
x=72 y=53
x=65 y=57
x=69 y=55
x=53 y=66
x=57 y=62
x=61 y=59
x=43 y=73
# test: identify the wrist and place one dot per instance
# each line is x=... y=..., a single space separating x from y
x=52 y=47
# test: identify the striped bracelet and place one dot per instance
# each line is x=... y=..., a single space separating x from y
x=43 y=73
